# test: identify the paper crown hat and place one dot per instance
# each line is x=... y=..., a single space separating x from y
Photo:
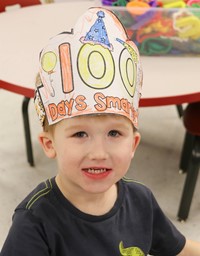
x=95 y=69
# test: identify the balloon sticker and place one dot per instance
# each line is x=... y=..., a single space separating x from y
x=48 y=63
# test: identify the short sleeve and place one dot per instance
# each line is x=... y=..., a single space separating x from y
x=26 y=237
x=166 y=239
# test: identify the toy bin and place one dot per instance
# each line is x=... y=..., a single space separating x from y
x=161 y=30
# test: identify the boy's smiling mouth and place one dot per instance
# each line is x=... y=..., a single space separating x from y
x=96 y=171
x=92 y=170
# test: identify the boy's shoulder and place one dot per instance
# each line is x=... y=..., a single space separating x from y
x=135 y=185
x=136 y=190
x=38 y=195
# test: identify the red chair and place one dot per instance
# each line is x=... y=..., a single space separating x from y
x=22 y=3
x=27 y=93
x=190 y=157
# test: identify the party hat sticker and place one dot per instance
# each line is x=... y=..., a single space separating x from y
x=94 y=69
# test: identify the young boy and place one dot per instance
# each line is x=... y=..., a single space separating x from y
x=87 y=102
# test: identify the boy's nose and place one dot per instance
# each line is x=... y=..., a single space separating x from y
x=98 y=150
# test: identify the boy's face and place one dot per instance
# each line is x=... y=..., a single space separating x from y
x=92 y=152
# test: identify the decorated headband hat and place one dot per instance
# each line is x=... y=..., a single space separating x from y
x=95 y=69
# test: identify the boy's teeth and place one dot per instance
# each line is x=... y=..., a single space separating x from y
x=96 y=170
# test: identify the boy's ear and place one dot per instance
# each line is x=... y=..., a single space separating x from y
x=46 y=142
x=136 y=141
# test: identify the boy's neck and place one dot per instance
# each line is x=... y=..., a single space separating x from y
x=93 y=204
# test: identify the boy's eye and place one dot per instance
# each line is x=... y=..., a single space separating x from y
x=113 y=133
x=80 y=134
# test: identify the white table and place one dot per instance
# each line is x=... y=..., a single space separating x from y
x=24 y=32
x=167 y=80
x=170 y=80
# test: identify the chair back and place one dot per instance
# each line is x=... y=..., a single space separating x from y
x=191 y=118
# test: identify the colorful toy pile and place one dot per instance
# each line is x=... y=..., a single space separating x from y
x=167 y=27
